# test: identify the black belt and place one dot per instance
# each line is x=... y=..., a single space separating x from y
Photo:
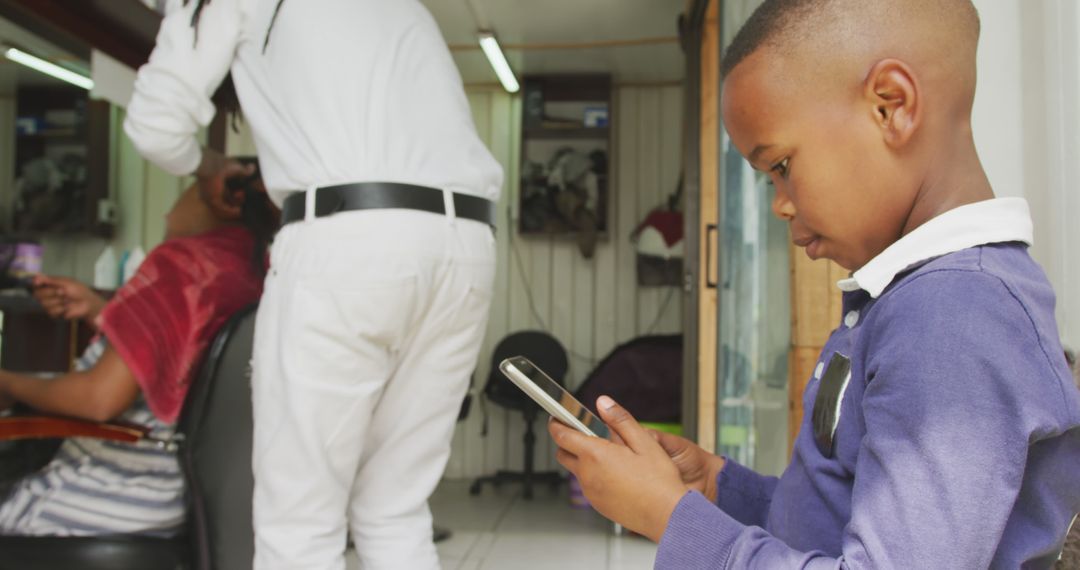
x=382 y=195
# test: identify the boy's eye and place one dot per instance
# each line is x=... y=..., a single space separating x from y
x=781 y=168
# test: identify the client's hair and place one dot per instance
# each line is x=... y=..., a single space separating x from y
x=258 y=214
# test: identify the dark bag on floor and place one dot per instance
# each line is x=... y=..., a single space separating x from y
x=643 y=375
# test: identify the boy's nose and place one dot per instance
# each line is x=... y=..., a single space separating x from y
x=782 y=207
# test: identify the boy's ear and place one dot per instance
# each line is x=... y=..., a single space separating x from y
x=895 y=99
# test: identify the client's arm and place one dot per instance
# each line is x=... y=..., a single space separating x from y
x=98 y=394
x=64 y=298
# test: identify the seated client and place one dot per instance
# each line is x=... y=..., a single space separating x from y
x=151 y=339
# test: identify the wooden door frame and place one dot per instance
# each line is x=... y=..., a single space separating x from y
x=690 y=32
x=701 y=41
x=815 y=298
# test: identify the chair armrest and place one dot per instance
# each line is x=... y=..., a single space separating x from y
x=54 y=427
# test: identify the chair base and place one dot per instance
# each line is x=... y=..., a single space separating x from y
x=93 y=553
x=440 y=533
x=551 y=478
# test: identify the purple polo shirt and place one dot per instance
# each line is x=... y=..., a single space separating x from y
x=958 y=438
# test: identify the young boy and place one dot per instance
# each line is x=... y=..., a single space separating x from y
x=942 y=428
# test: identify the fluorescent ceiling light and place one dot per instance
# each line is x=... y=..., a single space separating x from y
x=48 y=68
x=498 y=62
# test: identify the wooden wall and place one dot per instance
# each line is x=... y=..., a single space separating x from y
x=591 y=305
x=815 y=312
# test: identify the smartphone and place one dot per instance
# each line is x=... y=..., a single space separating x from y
x=552 y=397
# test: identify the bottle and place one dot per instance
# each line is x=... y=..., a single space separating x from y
x=26 y=261
x=105 y=270
x=132 y=263
x=120 y=267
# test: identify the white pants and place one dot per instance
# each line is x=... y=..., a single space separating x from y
x=369 y=328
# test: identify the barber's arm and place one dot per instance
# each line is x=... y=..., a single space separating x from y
x=172 y=98
x=99 y=394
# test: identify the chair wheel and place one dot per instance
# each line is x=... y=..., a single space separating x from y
x=439 y=534
x=474 y=489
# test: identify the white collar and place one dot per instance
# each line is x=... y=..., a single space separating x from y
x=990 y=221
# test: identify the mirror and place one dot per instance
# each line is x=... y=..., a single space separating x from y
x=54 y=159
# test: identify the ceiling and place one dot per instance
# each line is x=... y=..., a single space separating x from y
x=528 y=28
x=548 y=36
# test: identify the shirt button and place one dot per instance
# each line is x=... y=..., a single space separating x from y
x=851 y=319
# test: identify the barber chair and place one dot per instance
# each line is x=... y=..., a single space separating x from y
x=213 y=439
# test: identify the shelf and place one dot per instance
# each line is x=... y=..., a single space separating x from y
x=555 y=110
x=87 y=138
x=54 y=134
x=19 y=301
x=572 y=133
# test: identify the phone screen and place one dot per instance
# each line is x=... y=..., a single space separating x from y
x=571 y=409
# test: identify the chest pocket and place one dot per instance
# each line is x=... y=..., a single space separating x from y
x=830 y=396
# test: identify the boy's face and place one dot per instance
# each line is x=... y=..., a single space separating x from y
x=814 y=133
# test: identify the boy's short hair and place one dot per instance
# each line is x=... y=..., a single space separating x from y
x=795 y=22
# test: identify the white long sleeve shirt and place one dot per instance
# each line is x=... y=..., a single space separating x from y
x=346 y=91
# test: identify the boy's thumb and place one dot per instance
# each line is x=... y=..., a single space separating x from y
x=621 y=422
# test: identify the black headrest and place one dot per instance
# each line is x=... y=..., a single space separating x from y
x=216 y=450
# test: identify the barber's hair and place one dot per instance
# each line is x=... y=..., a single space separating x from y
x=200 y=4
x=225 y=98
x=259 y=216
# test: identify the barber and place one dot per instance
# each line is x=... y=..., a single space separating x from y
x=381 y=278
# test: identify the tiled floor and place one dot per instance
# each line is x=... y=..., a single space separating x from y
x=501 y=530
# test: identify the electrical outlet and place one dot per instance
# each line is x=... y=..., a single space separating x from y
x=106 y=211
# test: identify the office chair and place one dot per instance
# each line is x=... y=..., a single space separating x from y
x=547 y=353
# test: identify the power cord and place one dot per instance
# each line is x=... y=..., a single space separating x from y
x=482 y=397
x=540 y=320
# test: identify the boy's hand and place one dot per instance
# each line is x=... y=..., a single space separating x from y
x=65 y=298
x=635 y=484
x=698 y=467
